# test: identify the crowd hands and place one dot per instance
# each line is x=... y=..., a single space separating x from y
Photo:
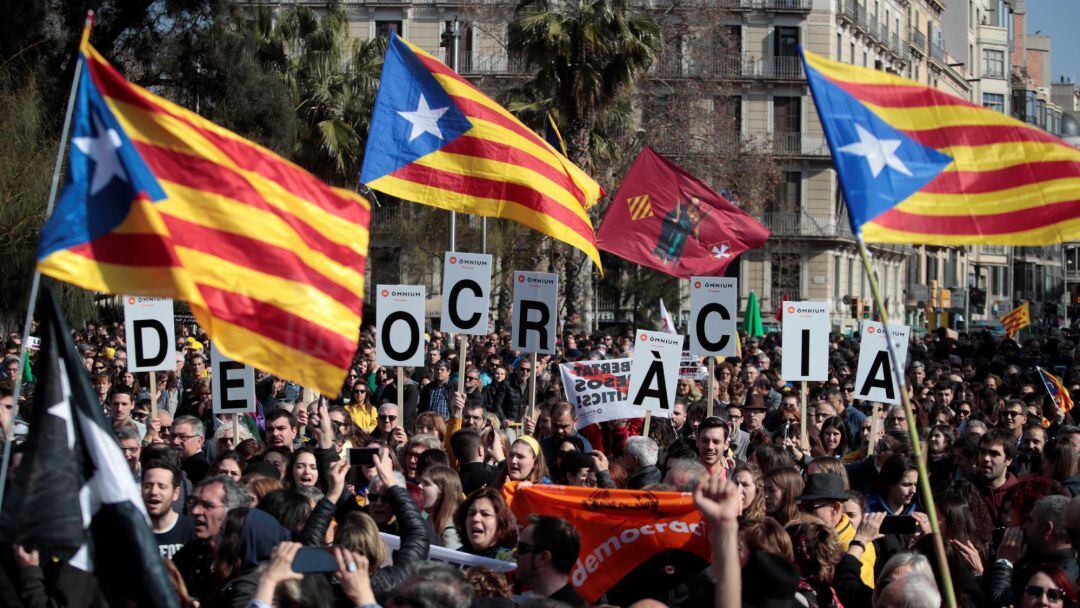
x=835 y=520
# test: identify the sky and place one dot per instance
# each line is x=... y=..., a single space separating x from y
x=1058 y=19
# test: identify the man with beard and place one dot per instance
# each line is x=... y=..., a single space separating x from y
x=209 y=505
x=997 y=449
x=160 y=490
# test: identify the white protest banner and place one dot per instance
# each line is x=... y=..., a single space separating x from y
x=597 y=389
x=232 y=384
x=466 y=293
x=690 y=367
x=459 y=559
x=805 y=341
x=713 y=312
x=533 y=321
x=399 y=317
x=151 y=334
x=654 y=372
x=875 y=379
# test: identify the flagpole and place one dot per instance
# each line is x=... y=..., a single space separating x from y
x=916 y=448
x=35 y=282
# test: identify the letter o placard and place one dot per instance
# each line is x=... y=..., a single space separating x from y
x=399 y=324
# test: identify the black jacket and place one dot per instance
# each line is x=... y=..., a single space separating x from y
x=476 y=475
x=493 y=396
x=862 y=475
x=513 y=399
x=1002 y=584
x=408 y=410
x=414 y=543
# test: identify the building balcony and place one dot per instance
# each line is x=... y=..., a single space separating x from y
x=937 y=53
x=917 y=40
x=743 y=66
x=803 y=224
x=799 y=145
x=766 y=5
x=491 y=65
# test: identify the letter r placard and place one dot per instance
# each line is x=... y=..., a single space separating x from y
x=535 y=302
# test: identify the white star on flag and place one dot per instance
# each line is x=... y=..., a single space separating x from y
x=102 y=150
x=879 y=153
x=425 y=119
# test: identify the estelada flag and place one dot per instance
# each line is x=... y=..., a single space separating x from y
x=619 y=529
x=665 y=218
x=438 y=140
x=1056 y=389
x=162 y=202
x=918 y=165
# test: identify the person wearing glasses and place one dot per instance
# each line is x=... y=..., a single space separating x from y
x=387 y=428
x=1048 y=586
x=1013 y=418
x=187 y=437
x=511 y=402
x=208 y=506
x=547 y=550
x=1043 y=540
x=361 y=407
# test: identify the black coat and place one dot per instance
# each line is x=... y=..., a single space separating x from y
x=513 y=399
x=493 y=396
x=414 y=543
x=1002 y=584
x=862 y=475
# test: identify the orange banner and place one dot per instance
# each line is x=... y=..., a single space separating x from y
x=620 y=529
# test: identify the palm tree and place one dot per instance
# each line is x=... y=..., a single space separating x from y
x=586 y=57
x=332 y=80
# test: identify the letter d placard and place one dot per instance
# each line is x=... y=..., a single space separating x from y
x=399 y=321
x=533 y=321
x=466 y=293
x=151 y=334
x=654 y=371
x=713 y=308
x=805 y=341
x=875 y=379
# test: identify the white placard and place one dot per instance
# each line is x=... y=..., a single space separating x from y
x=713 y=312
x=399 y=320
x=535 y=302
x=805 y=341
x=597 y=390
x=151 y=334
x=654 y=371
x=466 y=293
x=232 y=384
x=875 y=379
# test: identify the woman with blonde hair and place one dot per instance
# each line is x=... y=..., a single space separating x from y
x=525 y=462
x=442 y=493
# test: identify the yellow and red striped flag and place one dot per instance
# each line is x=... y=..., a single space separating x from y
x=921 y=166
x=1017 y=319
x=1056 y=389
x=161 y=202
x=436 y=139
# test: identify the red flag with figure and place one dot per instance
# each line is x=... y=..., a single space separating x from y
x=664 y=218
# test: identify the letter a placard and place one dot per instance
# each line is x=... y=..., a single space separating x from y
x=232 y=384
x=151 y=334
x=466 y=293
x=805 y=341
x=875 y=379
x=713 y=310
x=533 y=322
x=654 y=371
x=399 y=319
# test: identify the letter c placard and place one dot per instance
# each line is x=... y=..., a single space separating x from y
x=713 y=309
x=466 y=293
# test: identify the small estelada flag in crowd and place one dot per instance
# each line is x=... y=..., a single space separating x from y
x=437 y=140
x=161 y=202
x=1056 y=389
x=921 y=166
x=73 y=496
x=664 y=218
x=1017 y=319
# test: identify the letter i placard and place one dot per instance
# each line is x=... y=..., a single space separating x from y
x=875 y=379
x=151 y=333
x=805 y=341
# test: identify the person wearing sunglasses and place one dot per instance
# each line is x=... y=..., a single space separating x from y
x=1047 y=585
x=546 y=552
x=361 y=407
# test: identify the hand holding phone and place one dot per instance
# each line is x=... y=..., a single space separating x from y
x=899 y=524
x=362 y=457
x=314 y=559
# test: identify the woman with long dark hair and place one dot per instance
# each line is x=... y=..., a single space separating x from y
x=782 y=487
x=834 y=437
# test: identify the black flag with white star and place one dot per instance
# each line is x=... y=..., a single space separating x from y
x=73 y=495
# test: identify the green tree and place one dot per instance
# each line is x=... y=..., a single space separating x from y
x=332 y=80
x=587 y=57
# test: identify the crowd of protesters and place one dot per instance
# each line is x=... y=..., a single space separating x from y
x=834 y=522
